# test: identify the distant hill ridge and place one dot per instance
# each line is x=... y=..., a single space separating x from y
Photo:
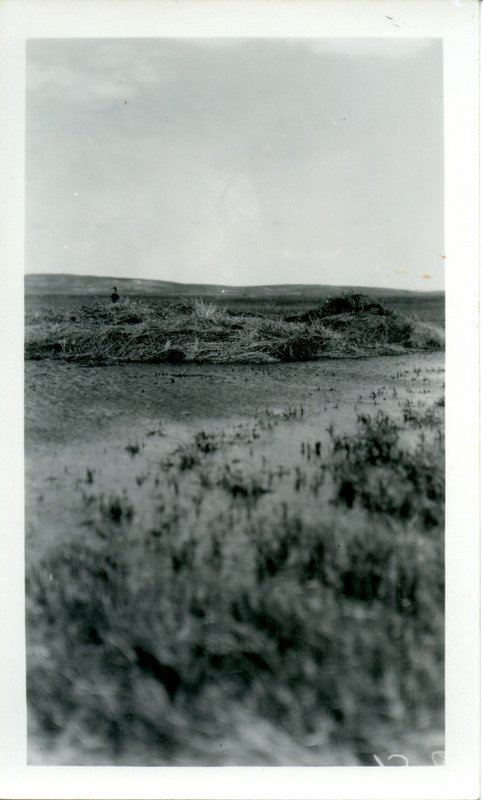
x=49 y=284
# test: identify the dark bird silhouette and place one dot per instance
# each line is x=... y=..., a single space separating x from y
x=114 y=296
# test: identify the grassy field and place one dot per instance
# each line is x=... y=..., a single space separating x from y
x=234 y=587
x=197 y=330
x=305 y=610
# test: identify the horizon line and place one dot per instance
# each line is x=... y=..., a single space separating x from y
x=227 y=285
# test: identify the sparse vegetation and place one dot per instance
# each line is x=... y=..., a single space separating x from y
x=372 y=468
x=317 y=611
x=201 y=331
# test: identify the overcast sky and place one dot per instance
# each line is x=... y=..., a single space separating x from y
x=237 y=161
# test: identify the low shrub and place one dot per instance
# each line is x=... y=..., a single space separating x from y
x=376 y=470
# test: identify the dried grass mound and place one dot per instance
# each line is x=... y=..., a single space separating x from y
x=351 y=303
x=194 y=330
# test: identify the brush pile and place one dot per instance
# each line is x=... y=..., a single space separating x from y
x=198 y=331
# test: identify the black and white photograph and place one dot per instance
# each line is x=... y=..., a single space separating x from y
x=235 y=337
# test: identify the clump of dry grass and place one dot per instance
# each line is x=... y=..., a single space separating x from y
x=350 y=303
x=195 y=330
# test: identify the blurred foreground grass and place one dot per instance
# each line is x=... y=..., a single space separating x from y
x=249 y=625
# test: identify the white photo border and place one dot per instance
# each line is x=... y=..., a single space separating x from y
x=456 y=22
